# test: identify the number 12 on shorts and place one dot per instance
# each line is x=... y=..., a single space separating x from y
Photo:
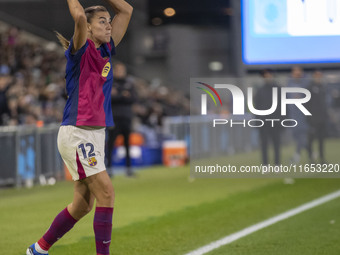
x=91 y=153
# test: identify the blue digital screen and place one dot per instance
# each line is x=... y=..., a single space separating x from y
x=290 y=31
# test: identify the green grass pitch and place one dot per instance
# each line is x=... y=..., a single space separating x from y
x=164 y=212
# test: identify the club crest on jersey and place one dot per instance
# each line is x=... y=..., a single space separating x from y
x=106 y=69
x=92 y=161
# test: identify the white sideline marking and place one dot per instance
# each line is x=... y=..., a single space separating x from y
x=249 y=230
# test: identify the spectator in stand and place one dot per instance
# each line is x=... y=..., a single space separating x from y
x=319 y=119
x=4 y=86
x=12 y=36
x=32 y=68
x=155 y=117
x=123 y=96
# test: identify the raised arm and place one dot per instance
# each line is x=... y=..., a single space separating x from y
x=120 y=22
x=80 y=28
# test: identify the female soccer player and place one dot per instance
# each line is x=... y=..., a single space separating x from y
x=87 y=112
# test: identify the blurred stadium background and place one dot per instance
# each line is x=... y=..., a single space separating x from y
x=163 y=210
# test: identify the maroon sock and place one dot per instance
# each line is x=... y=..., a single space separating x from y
x=60 y=226
x=102 y=225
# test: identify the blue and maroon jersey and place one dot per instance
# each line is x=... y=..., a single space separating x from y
x=89 y=80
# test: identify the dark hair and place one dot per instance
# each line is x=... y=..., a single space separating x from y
x=89 y=12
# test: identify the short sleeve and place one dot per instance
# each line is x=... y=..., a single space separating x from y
x=112 y=47
x=79 y=52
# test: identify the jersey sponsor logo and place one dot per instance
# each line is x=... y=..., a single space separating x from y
x=92 y=161
x=106 y=69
